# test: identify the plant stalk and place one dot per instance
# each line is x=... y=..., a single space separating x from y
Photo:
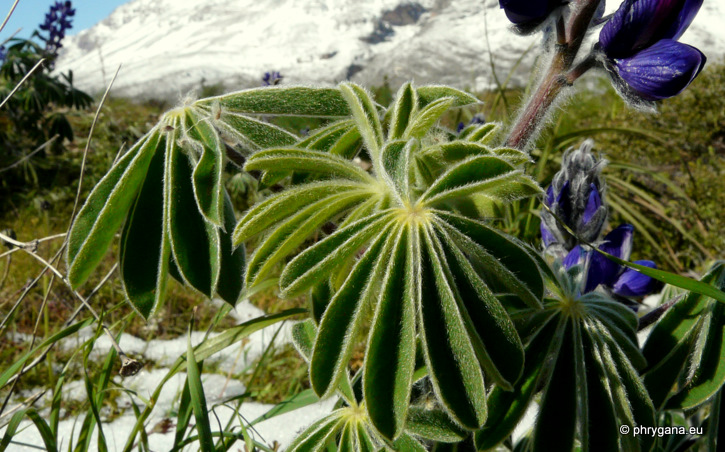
x=570 y=35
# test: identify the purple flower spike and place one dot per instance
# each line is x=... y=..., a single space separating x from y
x=663 y=70
x=638 y=24
x=632 y=283
x=271 y=78
x=57 y=21
x=528 y=14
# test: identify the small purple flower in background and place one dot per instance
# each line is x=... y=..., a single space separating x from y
x=3 y=54
x=57 y=22
x=478 y=118
x=271 y=78
x=575 y=196
x=641 y=48
x=528 y=14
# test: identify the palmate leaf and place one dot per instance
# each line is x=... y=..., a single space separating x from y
x=582 y=350
x=685 y=348
x=402 y=266
x=167 y=190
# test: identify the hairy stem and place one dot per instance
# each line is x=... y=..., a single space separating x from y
x=570 y=35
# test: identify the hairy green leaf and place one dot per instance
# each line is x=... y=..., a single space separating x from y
x=430 y=93
x=492 y=332
x=390 y=354
x=106 y=208
x=304 y=334
x=484 y=133
x=291 y=234
x=207 y=176
x=691 y=332
x=489 y=176
x=316 y=262
x=507 y=408
x=433 y=425
x=424 y=120
x=341 y=321
x=194 y=242
x=233 y=259
x=500 y=259
x=145 y=247
x=282 y=205
x=405 y=108
x=318 y=434
x=448 y=349
x=395 y=161
x=306 y=161
x=365 y=114
x=253 y=133
x=283 y=101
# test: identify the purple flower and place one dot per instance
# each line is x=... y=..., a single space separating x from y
x=528 y=13
x=602 y=271
x=575 y=197
x=632 y=283
x=271 y=78
x=57 y=21
x=662 y=70
x=641 y=48
x=478 y=118
x=3 y=54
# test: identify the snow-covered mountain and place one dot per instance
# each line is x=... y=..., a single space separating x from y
x=166 y=47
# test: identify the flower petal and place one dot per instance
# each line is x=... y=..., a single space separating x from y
x=601 y=270
x=562 y=206
x=618 y=242
x=550 y=196
x=546 y=235
x=638 y=24
x=632 y=283
x=576 y=256
x=661 y=71
x=684 y=19
x=594 y=202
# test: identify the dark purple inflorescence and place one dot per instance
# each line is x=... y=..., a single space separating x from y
x=271 y=78
x=640 y=47
x=57 y=22
x=478 y=118
x=576 y=199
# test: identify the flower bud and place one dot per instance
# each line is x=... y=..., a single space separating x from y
x=576 y=197
x=527 y=14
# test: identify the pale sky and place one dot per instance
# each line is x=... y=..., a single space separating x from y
x=30 y=13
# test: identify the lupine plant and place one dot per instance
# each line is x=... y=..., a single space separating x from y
x=385 y=219
x=27 y=109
